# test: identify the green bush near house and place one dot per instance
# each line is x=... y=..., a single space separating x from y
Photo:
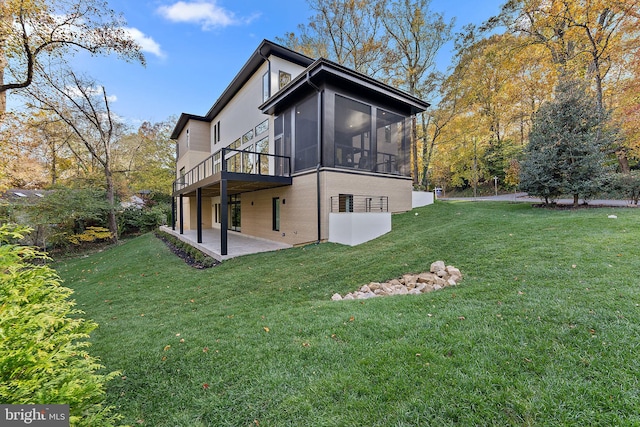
x=134 y=220
x=43 y=342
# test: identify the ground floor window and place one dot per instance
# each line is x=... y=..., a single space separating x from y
x=276 y=213
x=216 y=209
x=234 y=212
x=345 y=203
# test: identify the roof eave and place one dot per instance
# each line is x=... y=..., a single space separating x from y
x=321 y=65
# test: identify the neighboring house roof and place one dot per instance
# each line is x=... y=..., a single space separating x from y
x=22 y=196
x=258 y=57
x=325 y=70
x=133 y=202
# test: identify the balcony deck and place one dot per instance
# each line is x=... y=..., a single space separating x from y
x=224 y=173
x=243 y=171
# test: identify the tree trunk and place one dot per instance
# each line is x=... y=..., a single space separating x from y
x=623 y=161
x=3 y=65
x=575 y=200
x=111 y=215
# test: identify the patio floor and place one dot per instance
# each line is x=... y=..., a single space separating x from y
x=238 y=244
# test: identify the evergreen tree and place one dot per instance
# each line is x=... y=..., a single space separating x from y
x=565 y=155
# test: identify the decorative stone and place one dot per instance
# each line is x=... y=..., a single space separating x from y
x=410 y=278
x=454 y=273
x=437 y=266
x=401 y=291
x=439 y=277
x=427 y=278
x=388 y=287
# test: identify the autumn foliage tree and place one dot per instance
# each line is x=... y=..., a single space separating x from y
x=396 y=41
x=586 y=39
x=84 y=107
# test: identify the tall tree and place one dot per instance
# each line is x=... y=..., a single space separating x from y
x=349 y=32
x=394 y=40
x=84 y=107
x=148 y=157
x=33 y=29
x=583 y=38
x=416 y=36
x=53 y=141
x=20 y=162
x=565 y=153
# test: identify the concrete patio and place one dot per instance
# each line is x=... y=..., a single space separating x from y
x=238 y=244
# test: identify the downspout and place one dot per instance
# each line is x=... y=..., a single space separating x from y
x=318 y=198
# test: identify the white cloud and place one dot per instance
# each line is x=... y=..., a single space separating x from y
x=206 y=13
x=147 y=43
x=90 y=91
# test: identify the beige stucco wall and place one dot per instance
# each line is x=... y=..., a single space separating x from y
x=198 y=148
x=298 y=204
x=298 y=213
x=242 y=115
x=396 y=188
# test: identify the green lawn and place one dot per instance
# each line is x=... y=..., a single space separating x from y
x=543 y=330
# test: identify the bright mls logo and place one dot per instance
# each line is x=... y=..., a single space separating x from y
x=34 y=415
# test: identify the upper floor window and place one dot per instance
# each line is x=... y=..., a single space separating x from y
x=283 y=79
x=352 y=134
x=391 y=155
x=266 y=90
x=262 y=127
x=215 y=135
x=306 y=134
x=187 y=138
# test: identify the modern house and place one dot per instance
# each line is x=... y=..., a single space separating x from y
x=294 y=151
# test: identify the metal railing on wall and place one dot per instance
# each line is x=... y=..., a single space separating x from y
x=359 y=203
x=237 y=161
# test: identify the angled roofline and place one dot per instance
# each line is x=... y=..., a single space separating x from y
x=259 y=56
x=182 y=122
x=325 y=66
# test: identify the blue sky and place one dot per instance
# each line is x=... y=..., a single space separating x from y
x=195 y=47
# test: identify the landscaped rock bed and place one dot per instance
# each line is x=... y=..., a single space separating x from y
x=438 y=277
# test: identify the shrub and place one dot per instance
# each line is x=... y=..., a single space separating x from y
x=43 y=357
x=627 y=184
x=188 y=253
x=90 y=235
x=136 y=220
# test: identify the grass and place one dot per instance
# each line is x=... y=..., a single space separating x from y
x=543 y=330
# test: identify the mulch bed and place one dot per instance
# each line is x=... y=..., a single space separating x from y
x=187 y=257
